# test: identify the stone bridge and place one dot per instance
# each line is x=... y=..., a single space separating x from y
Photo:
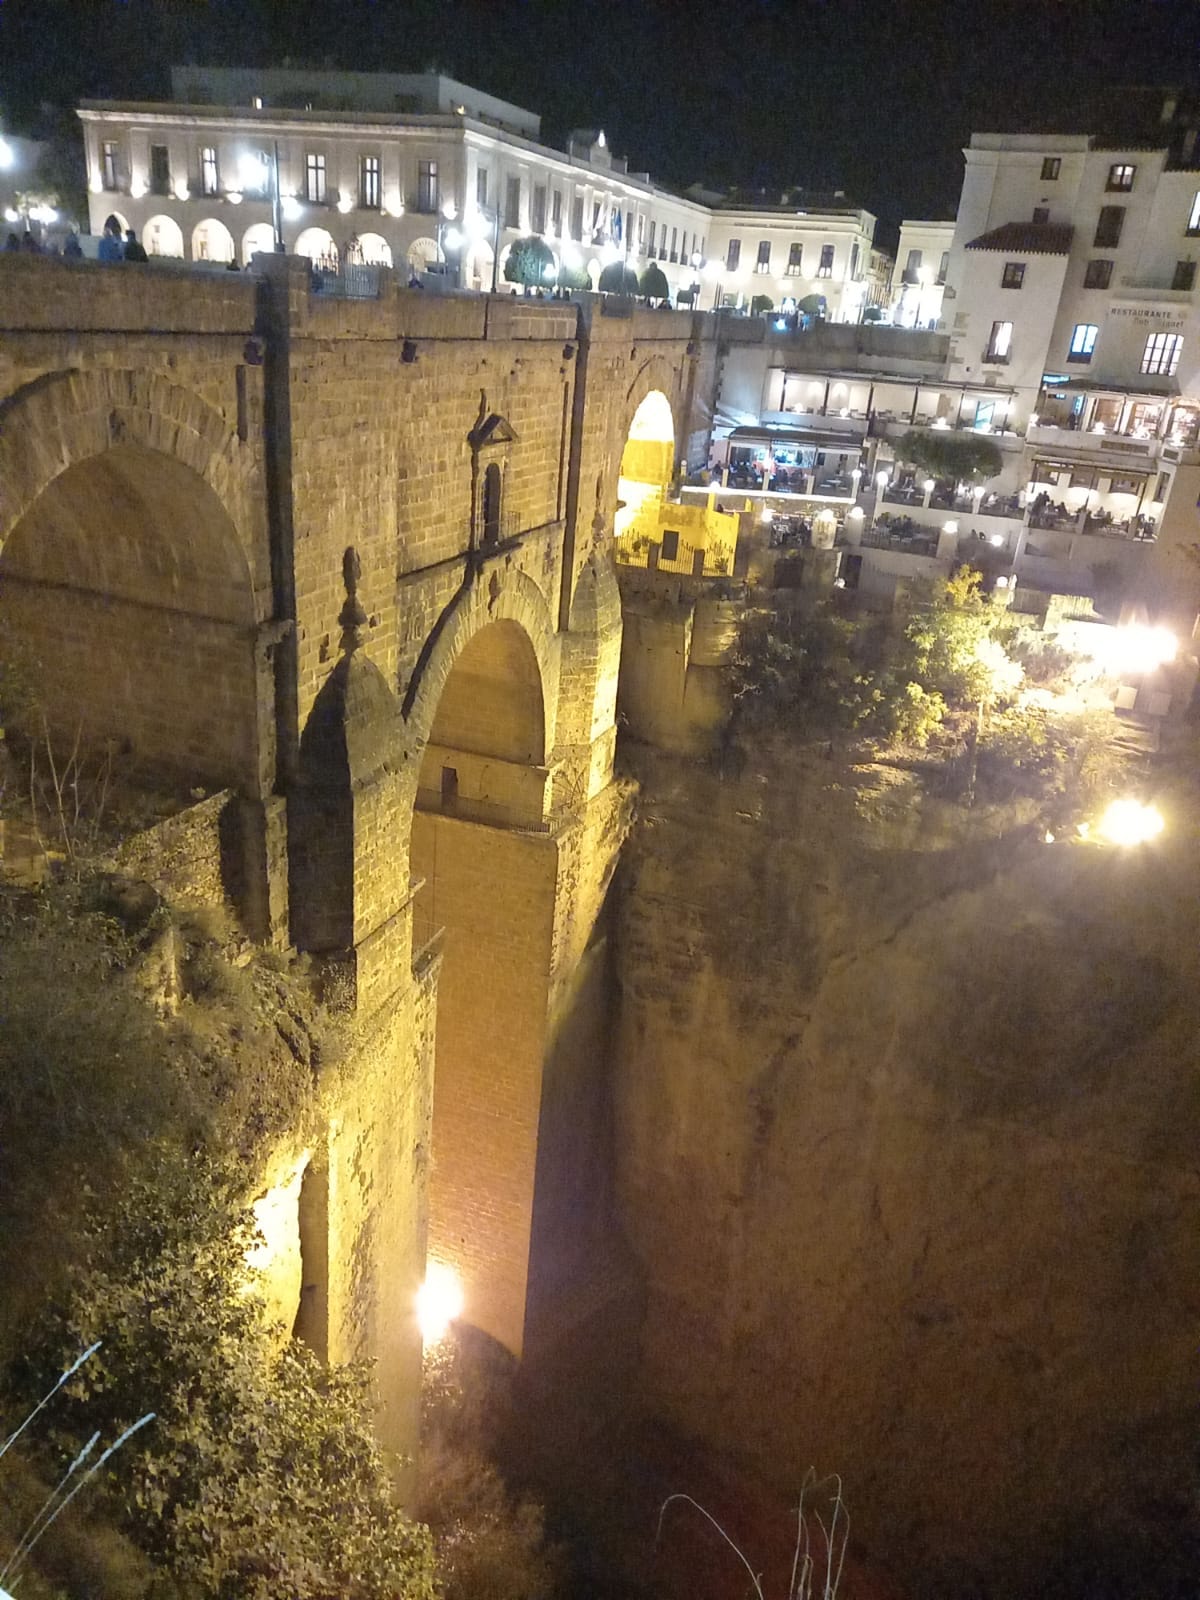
x=350 y=560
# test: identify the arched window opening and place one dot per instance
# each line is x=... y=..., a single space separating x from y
x=492 y=485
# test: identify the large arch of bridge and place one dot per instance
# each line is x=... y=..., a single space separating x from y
x=483 y=861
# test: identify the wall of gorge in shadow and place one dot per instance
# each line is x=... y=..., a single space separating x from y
x=907 y=1116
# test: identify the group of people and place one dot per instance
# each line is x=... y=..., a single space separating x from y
x=27 y=244
x=114 y=248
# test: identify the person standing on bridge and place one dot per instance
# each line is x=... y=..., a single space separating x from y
x=134 y=249
x=110 y=245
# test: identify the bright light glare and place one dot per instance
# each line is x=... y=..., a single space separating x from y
x=252 y=169
x=996 y=539
x=452 y=238
x=1138 y=648
x=449 y=210
x=6 y=154
x=290 y=208
x=439 y=1301
x=1128 y=822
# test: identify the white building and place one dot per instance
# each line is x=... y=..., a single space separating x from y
x=797 y=249
x=922 y=260
x=1073 y=286
x=420 y=170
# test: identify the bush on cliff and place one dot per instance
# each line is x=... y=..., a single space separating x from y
x=130 y=1131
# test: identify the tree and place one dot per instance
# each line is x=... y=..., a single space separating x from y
x=761 y=304
x=617 y=278
x=527 y=262
x=966 y=458
x=653 y=283
x=574 y=278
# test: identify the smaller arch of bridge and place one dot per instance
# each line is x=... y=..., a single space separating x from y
x=511 y=597
x=64 y=419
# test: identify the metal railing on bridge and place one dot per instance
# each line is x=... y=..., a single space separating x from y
x=354 y=280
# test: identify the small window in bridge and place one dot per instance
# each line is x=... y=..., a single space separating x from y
x=491 y=505
x=670 y=544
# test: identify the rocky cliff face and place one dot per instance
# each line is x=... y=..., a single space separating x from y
x=907 y=1114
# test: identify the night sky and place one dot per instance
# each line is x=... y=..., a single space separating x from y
x=871 y=97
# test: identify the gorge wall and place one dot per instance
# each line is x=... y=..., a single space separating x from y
x=907 y=1117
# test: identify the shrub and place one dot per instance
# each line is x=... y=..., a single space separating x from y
x=761 y=304
x=527 y=262
x=967 y=458
x=653 y=283
x=617 y=278
x=260 y=1475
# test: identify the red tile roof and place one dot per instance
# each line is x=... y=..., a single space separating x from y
x=1030 y=238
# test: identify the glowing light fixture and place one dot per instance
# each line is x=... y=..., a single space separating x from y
x=439 y=1301
x=11 y=216
x=949 y=527
x=1138 y=648
x=452 y=238
x=855 y=513
x=1129 y=822
x=290 y=208
x=137 y=187
x=7 y=155
x=995 y=540
x=929 y=485
x=234 y=196
x=345 y=203
x=181 y=189
x=449 y=210
x=882 y=479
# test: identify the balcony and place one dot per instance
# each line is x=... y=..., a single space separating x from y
x=1097 y=445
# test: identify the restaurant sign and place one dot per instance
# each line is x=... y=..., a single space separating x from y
x=1158 y=319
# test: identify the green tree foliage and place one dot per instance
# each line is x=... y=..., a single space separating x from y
x=964 y=457
x=617 y=278
x=260 y=1476
x=573 y=278
x=653 y=283
x=821 y=672
x=761 y=304
x=527 y=262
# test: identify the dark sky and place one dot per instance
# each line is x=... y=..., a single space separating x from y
x=875 y=98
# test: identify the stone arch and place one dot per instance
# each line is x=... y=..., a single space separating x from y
x=162 y=236
x=375 y=249
x=648 y=448
x=484 y=866
x=512 y=597
x=212 y=241
x=319 y=246
x=127 y=576
x=258 y=239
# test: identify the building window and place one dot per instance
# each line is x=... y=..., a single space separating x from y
x=628 y=228
x=733 y=255
x=108 y=164
x=943 y=266
x=538 y=219
x=1013 y=275
x=912 y=267
x=314 y=177
x=512 y=202
x=650 y=246
x=854 y=263
x=1185 y=275
x=641 y=231
x=825 y=270
x=1120 y=177
x=1083 y=342
x=160 y=169
x=1097 y=274
x=481 y=187
x=674 y=233
x=763 y=264
x=1161 y=355
x=1193 y=226
x=999 y=346
x=256 y=179
x=556 y=210
x=427 y=186
x=209 y=183
x=1041 y=214
x=1051 y=167
x=368 y=183
x=795 y=260
x=1108 y=229
x=577 y=219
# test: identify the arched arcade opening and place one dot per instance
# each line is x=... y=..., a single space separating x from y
x=486 y=870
